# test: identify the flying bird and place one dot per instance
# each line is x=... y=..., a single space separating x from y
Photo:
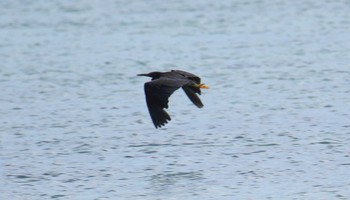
x=163 y=85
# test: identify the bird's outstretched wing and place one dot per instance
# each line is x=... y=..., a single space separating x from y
x=157 y=98
x=191 y=93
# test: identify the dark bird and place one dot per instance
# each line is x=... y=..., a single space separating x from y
x=162 y=85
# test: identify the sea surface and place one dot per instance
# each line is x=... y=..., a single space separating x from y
x=74 y=123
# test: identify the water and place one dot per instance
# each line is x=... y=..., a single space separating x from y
x=74 y=124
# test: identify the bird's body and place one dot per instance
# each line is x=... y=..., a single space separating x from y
x=162 y=85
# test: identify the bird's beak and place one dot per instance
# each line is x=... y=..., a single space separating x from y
x=142 y=74
x=203 y=86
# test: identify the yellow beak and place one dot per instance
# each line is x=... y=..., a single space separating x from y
x=203 y=86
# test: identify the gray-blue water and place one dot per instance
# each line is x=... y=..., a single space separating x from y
x=74 y=122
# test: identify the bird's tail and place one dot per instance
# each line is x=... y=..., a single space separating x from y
x=142 y=75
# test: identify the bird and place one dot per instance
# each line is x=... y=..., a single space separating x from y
x=163 y=85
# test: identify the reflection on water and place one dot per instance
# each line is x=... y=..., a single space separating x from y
x=75 y=125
